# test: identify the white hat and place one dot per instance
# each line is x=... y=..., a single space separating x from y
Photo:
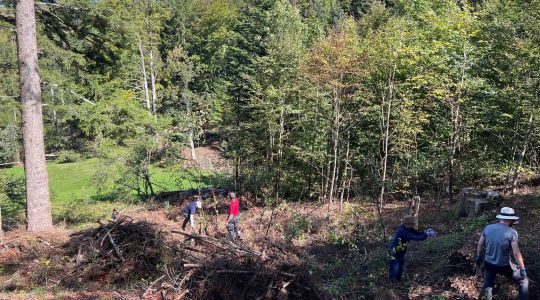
x=507 y=213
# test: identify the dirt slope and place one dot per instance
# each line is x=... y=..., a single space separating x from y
x=301 y=245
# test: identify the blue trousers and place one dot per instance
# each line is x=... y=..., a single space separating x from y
x=395 y=269
x=491 y=272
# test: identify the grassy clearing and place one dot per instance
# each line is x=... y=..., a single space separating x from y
x=74 y=194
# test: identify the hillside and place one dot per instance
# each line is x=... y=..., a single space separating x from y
x=342 y=253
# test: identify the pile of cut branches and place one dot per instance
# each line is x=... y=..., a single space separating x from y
x=118 y=251
x=217 y=269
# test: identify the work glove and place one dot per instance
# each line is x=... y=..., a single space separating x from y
x=430 y=232
x=478 y=261
x=523 y=272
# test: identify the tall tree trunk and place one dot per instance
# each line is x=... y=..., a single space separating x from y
x=456 y=126
x=280 y=149
x=192 y=144
x=518 y=164
x=144 y=76
x=335 y=138
x=380 y=204
x=153 y=83
x=38 y=203
x=454 y=138
x=386 y=109
x=345 y=169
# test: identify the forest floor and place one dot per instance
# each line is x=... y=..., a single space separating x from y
x=294 y=251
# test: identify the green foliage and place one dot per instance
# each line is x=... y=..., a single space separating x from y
x=68 y=156
x=76 y=212
x=12 y=198
x=297 y=227
x=9 y=143
x=443 y=244
x=349 y=231
x=296 y=94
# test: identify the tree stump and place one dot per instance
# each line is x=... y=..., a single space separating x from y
x=474 y=202
x=414 y=209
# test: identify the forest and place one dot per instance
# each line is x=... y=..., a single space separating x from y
x=330 y=119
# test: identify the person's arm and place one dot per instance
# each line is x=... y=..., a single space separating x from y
x=229 y=215
x=518 y=256
x=413 y=235
x=480 y=247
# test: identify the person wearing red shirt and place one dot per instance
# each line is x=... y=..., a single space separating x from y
x=233 y=230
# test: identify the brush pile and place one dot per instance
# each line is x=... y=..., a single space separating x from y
x=130 y=254
x=217 y=269
x=117 y=252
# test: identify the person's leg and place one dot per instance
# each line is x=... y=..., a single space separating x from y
x=230 y=231
x=186 y=220
x=401 y=264
x=237 y=228
x=393 y=270
x=489 y=281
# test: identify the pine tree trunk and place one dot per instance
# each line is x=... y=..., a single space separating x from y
x=38 y=204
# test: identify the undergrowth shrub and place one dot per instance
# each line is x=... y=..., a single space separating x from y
x=68 y=156
x=77 y=212
x=447 y=242
x=12 y=199
x=350 y=232
x=298 y=226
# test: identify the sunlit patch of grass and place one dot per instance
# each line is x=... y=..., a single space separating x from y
x=75 y=197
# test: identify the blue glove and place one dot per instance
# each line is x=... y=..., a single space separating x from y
x=523 y=272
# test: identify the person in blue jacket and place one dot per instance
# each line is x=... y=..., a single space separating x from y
x=398 y=246
x=189 y=213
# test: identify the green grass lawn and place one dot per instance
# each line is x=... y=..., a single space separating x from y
x=74 y=195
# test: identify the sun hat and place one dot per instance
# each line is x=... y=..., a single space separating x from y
x=507 y=213
x=408 y=221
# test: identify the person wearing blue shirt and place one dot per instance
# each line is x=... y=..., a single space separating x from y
x=189 y=213
x=398 y=246
x=498 y=241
